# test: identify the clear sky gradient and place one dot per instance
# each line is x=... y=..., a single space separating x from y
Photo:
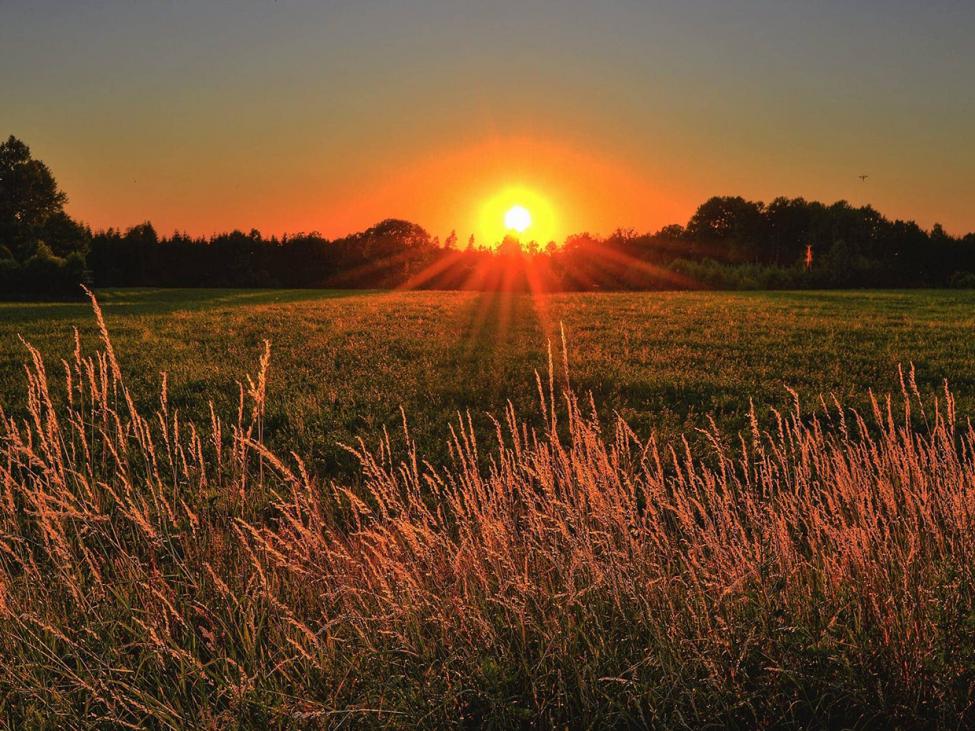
x=329 y=115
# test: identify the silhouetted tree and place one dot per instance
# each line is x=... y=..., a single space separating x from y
x=789 y=222
x=45 y=249
x=730 y=227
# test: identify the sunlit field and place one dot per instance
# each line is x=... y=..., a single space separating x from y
x=435 y=509
x=344 y=363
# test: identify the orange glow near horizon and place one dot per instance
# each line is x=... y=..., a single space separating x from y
x=466 y=186
x=470 y=188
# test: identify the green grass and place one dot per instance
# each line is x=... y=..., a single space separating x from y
x=344 y=362
x=820 y=573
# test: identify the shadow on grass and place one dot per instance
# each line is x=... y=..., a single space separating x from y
x=157 y=301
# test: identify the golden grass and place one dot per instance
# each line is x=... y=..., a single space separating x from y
x=153 y=572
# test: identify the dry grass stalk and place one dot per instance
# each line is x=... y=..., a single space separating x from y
x=154 y=572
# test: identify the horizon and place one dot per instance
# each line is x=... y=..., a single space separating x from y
x=291 y=116
x=511 y=234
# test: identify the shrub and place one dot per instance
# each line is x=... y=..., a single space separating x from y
x=43 y=276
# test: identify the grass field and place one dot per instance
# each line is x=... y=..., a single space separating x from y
x=554 y=569
x=343 y=363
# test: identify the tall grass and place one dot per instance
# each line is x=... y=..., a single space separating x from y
x=815 y=571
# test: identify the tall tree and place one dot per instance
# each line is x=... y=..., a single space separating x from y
x=32 y=206
x=732 y=227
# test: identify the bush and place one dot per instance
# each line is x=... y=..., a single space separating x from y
x=962 y=280
x=717 y=275
x=43 y=276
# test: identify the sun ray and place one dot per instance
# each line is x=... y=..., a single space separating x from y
x=660 y=273
x=429 y=273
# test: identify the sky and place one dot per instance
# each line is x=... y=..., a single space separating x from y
x=330 y=115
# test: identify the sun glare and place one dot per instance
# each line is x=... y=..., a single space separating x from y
x=517 y=218
x=517 y=210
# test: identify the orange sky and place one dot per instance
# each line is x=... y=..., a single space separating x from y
x=301 y=115
x=469 y=189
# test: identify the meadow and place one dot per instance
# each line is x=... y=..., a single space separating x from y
x=343 y=363
x=571 y=561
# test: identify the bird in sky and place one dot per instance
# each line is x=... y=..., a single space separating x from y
x=863 y=178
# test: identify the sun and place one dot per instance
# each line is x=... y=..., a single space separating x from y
x=517 y=218
x=516 y=210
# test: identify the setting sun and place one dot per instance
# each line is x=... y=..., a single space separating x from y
x=517 y=209
x=518 y=218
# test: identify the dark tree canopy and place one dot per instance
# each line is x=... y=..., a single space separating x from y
x=41 y=248
x=729 y=242
x=32 y=206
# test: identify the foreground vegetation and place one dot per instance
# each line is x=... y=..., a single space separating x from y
x=345 y=362
x=816 y=570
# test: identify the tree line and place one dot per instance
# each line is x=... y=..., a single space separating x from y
x=729 y=243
